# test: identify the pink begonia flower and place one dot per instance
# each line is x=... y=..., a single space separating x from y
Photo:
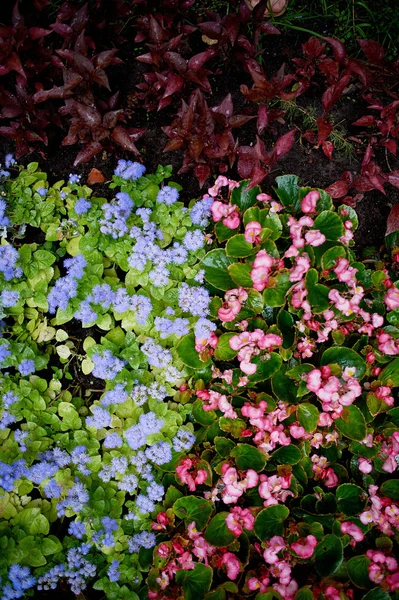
x=286 y=591
x=391 y=464
x=238 y=519
x=234 y=489
x=254 y=584
x=330 y=479
x=203 y=344
x=252 y=231
x=193 y=532
x=191 y=479
x=232 y=304
x=365 y=465
x=353 y=530
x=261 y=270
x=275 y=207
x=325 y=420
x=232 y=563
x=219 y=210
x=282 y=571
x=232 y=221
x=344 y=272
x=227 y=212
x=220 y=182
x=331 y=593
x=387 y=345
x=383 y=392
x=302 y=266
x=274 y=546
x=314 y=237
x=308 y=203
x=274 y=488
x=391 y=299
x=393 y=581
x=263 y=197
x=270 y=340
x=304 y=547
x=297 y=431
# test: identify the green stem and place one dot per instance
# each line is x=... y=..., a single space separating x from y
x=289 y=26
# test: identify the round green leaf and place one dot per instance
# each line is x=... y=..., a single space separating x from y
x=237 y=247
x=266 y=366
x=217 y=533
x=329 y=224
x=223 y=351
x=276 y=295
x=308 y=416
x=215 y=265
x=345 y=357
x=188 y=354
x=249 y=457
x=191 y=508
x=391 y=371
x=328 y=555
x=270 y=521
x=358 y=571
x=390 y=489
x=195 y=583
x=304 y=593
x=329 y=258
x=240 y=273
x=243 y=196
x=351 y=499
x=352 y=424
x=288 y=190
x=287 y=455
x=377 y=593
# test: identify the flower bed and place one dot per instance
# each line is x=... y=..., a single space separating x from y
x=197 y=402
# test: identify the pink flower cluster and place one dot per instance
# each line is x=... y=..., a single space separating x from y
x=323 y=471
x=261 y=269
x=387 y=345
x=390 y=451
x=252 y=232
x=353 y=531
x=249 y=344
x=334 y=393
x=384 y=512
x=313 y=237
x=233 y=300
x=215 y=401
x=274 y=489
x=239 y=519
x=383 y=569
x=235 y=488
x=227 y=213
x=187 y=473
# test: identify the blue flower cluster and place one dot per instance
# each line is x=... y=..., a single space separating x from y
x=4 y=220
x=8 y=262
x=107 y=366
x=103 y=296
x=82 y=206
x=115 y=215
x=129 y=170
x=194 y=300
x=201 y=211
x=167 y=327
x=67 y=287
x=20 y=579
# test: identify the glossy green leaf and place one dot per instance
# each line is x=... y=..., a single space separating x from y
x=328 y=555
x=191 y=508
x=351 y=499
x=248 y=457
x=188 y=354
x=217 y=533
x=345 y=357
x=196 y=582
x=243 y=196
x=270 y=521
x=215 y=265
x=352 y=423
x=329 y=224
x=237 y=247
x=308 y=416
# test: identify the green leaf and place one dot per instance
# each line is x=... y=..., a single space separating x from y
x=329 y=224
x=35 y=558
x=285 y=323
x=203 y=417
x=243 y=197
x=195 y=583
x=188 y=354
x=317 y=293
x=50 y=545
x=351 y=499
x=249 y=457
x=391 y=372
x=39 y=525
x=390 y=488
x=393 y=317
x=224 y=446
x=191 y=508
x=352 y=423
x=287 y=455
x=240 y=273
x=328 y=555
x=276 y=295
x=345 y=357
x=304 y=593
x=223 y=350
x=223 y=233
x=215 y=265
x=270 y=521
x=358 y=571
x=217 y=533
x=237 y=247
x=329 y=258
x=288 y=190
x=172 y=494
x=308 y=416
x=266 y=367
x=377 y=593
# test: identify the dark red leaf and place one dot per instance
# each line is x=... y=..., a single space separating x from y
x=393 y=220
x=328 y=148
x=373 y=50
x=14 y=64
x=263 y=118
x=393 y=178
x=174 y=84
x=284 y=143
x=89 y=116
x=123 y=138
x=310 y=136
x=366 y=121
x=106 y=58
x=176 y=61
x=35 y=33
x=334 y=93
x=339 y=50
x=101 y=78
x=211 y=29
x=355 y=67
x=202 y=172
x=87 y=153
x=155 y=32
x=391 y=145
x=267 y=27
x=200 y=59
x=324 y=128
x=62 y=29
x=145 y=58
x=313 y=48
x=338 y=189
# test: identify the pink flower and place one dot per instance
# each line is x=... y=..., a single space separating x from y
x=308 y=203
x=261 y=270
x=227 y=313
x=390 y=465
x=263 y=197
x=314 y=237
x=304 y=547
x=353 y=530
x=331 y=593
x=252 y=231
x=301 y=267
x=192 y=479
x=219 y=210
x=393 y=581
x=232 y=221
x=297 y=431
x=270 y=340
x=365 y=465
x=254 y=584
x=275 y=545
x=220 y=182
x=238 y=519
x=391 y=299
x=232 y=563
x=330 y=478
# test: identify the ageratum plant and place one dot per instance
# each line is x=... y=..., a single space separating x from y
x=94 y=296
x=290 y=490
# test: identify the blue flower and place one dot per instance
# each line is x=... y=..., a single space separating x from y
x=8 y=261
x=113 y=571
x=194 y=300
x=42 y=191
x=9 y=161
x=194 y=240
x=82 y=206
x=26 y=367
x=107 y=366
x=52 y=489
x=168 y=195
x=112 y=440
x=74 y=178
x=160 y=453
x=9 y=298
x=77 y=529
x=201 y=211
x=183 y=440
x=129 y=170
x=101 y=418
